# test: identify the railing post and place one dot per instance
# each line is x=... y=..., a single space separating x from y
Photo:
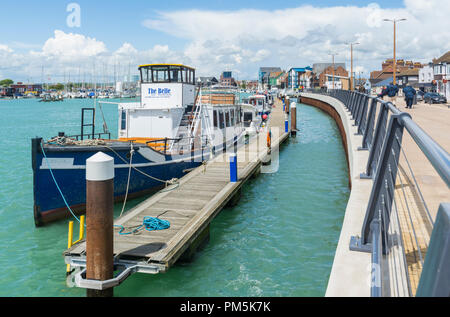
x=377 y=257
x=368 y=132
x=360 y=116
x=378 y=140
x=388 y=164
x=435 y=277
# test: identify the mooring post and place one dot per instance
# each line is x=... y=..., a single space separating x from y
x=286 y=123
x=99 y=221
x=288 y=102
x=233 y=168
x=293 y=119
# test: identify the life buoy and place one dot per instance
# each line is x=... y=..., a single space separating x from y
x=269 y=139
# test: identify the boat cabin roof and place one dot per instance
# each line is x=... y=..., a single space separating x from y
x=257 y=96
x=167 y=73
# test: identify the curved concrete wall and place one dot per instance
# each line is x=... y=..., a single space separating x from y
x=351 y=272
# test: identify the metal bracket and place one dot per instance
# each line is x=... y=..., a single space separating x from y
x=355 y=245
x=128 y=268
x=365 y=176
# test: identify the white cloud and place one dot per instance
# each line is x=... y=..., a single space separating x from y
x=243 y=40
x=307 y=34
x=68 y=45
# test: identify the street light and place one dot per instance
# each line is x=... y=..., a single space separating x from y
x=395 y=60
x=351 y=58
x=333 y=54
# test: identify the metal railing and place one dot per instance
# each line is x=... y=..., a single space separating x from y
x=390 y=210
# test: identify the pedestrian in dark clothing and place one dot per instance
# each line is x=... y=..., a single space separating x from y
x=409 y=93
x=383 y=93
x=392 y=91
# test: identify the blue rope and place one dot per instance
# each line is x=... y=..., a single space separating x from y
x=57 y=186
x=149 y=223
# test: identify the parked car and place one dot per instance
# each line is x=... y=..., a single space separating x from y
x=434 y=97
x=419 y=95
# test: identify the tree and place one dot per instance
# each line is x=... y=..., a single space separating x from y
x=6 y=82
x=57 y=87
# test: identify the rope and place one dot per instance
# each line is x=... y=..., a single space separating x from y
x=56 y=183
x=149 y=223
x=68 y=141
x=128 y=182
x=169 y=182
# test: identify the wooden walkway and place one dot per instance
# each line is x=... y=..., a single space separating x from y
x=190 y=207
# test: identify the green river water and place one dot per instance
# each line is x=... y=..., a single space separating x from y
x=279 y=241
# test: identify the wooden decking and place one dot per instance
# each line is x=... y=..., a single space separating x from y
x=189 y=206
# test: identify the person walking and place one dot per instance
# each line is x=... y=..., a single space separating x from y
x=392 y=91
x=409 y=93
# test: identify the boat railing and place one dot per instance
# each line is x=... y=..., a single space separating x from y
x=410 y=248
x=165 y=145
x=90 y=136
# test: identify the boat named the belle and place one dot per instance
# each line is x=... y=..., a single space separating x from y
x=173 y=129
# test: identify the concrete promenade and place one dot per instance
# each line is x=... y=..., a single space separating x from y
x=416 y=182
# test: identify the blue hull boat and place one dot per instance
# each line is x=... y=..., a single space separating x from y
x=59 y=174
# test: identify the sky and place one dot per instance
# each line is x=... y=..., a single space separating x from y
x=59 y=40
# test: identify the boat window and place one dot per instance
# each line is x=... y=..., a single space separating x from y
x=221 y=120
x=248 y=116
x=216 y=124
x=183 y=75
x=233 y=122
x=192 y=77
x=175 y=75
x=123 y=125
x=160 y=74
x=227 y=118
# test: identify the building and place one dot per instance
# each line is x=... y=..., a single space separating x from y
x=251 y=84
x=441 y=71
x=264 y=74
x=318 y=68
x=426 y=74
x=227 y=79
x=21 y=88
x=299 y=78
x=207 y=81
x=387 y=69
x=408 y=77
x=339 y=77
x=273 y=78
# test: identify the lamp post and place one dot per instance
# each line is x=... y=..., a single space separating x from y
x=351 y=63
x=333 y=54
x=395 y=60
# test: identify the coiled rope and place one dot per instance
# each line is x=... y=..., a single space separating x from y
x=149 y=223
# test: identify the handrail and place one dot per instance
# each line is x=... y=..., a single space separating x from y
x=382 y=136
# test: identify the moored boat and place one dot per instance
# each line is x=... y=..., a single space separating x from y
x=173 y=129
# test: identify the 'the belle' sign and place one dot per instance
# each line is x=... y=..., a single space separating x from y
x=159 y=92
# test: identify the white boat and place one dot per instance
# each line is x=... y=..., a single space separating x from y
x=172 y=130
x=261 y=103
